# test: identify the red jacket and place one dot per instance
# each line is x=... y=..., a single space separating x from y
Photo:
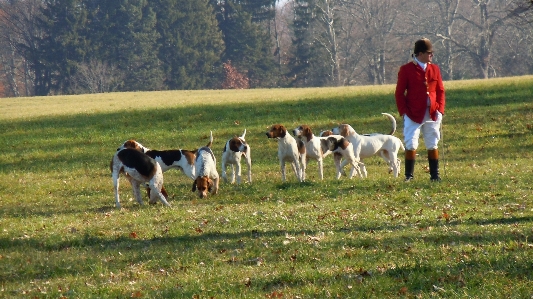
x=413 y=88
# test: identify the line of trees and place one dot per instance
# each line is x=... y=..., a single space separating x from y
x=91 y=46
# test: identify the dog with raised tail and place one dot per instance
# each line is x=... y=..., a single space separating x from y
x=207 y=178
x=365 y=146
x=140 y=169
x=233 y=151
x=288 y=150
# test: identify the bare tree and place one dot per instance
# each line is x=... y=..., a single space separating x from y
x=369 y=28
x=19 y=36
x=327 y=36
x=282 y=33
x=483 y=19
x=448 y=12
x=96 y=77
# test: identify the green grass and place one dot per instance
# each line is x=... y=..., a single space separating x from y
x=469 y=236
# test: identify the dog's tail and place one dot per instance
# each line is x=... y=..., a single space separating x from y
x=210 y=140
x=243 y=134
x=393 y=122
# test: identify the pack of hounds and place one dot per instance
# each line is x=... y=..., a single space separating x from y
x=144 y=167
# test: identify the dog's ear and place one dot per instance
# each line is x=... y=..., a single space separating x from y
x=306 y=130
x=332 y=143
x=345 y=143
x=282 y=131
x=193 y=186
x=209 y=185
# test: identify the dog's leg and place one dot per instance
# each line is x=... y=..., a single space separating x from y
x=303 y=166
x=363 y=169
x=297 y=170
x=156 y=185
x=352 y=163
x=356 y=169
x=395 y=164
x=249 y=164
x=237 y=172
x=299 y=173
x=136 y=187
x=215 y=189
x=282 y=166
x=224 y=169
x=320 y=168
x=386 y=155
x=337 y=159
x=155 y=194
x=115 y=185
x=398 y=166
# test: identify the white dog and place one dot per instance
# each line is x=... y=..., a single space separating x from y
x=139 y=169
x=313 y=149
x=232 y=153
x=386 y=146
x=207 y=179
x=341 y=146
x=287 y=150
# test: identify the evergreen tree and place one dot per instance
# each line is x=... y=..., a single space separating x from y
x=191 y=43
x=248 y=44
x=125 y=35
x=63 y=44
x=309 y=59
x=261 y=10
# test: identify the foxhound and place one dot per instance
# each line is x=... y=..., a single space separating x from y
x=287 y=150
x=207 y=179
x=139 y=169
x=365 y=146
x=313 y=149
x=232 y=153
x=341 y=146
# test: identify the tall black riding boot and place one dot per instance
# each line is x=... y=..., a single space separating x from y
x=410 y=156
x=433 y=159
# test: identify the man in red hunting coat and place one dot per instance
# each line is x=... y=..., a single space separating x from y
x=420 y=99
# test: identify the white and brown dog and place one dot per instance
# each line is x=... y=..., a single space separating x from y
x=288 y=150
x=313 y=149
x=365 y=146
x=342 y=148
x=139 y=169
x=207 y=179
x=232 y=153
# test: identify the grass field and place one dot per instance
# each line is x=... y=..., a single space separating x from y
x=470 y=236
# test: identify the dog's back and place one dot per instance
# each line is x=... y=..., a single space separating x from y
x=205 y=162
x=134 y=159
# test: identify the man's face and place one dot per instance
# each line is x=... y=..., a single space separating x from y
x=425 y=57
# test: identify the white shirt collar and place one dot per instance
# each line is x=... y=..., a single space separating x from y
x=423 y=65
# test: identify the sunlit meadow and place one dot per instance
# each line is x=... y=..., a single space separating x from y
x=469 y=236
